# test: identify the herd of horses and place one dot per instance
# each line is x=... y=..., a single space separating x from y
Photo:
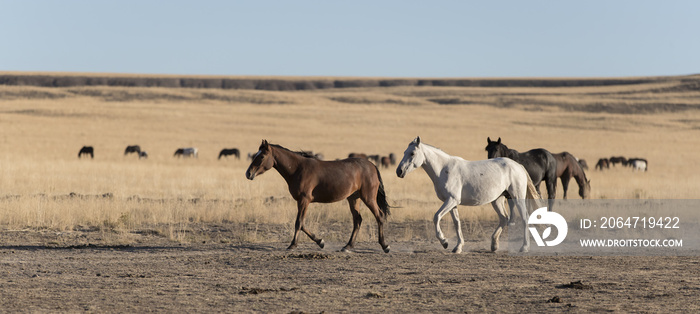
x=185 y=152
x=637 y=164
x=506 y=175
x=509 y=180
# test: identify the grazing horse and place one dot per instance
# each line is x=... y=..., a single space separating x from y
x=311 y=180
x=357 y=155
x=143 y=154
x=132 y=149
x=308 y=153
x=583 y=164
x=385 y=161
x=87 y=150
x=618 y=160
x=392 y=158
x=539 y=163
x=602 y=163
x=186 y=152
x=638 y=164
x=230 y=151
x=568 y=167
x=473 y=183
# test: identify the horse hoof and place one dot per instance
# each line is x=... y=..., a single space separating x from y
x=524 y=249
x=386 y=249
x=345 y=250
x=444 y=244
x=321 y=243
x=457 y=250
x=291 y=247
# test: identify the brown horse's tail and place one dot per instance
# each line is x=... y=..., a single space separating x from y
x=381 y=195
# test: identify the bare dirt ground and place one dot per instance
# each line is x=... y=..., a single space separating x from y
x=47 y=271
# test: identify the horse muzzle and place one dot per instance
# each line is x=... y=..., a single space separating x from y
x=250 y=174
x=400 y=173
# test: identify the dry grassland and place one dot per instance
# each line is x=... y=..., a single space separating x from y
x=43 y=128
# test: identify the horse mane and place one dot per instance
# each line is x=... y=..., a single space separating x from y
x=510 y=153
x=438 y=149
x=300 y=153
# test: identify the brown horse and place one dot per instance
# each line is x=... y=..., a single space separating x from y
x=311 y=180
x=568 y=167
x=385 y=161
x=602 y=163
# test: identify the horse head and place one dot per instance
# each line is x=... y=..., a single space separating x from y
x=413 y=158
x=585 y=192
x=262 y=161
x=496 y=148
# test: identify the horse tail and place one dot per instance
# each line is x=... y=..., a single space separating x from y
x=381 y=195
x=532 y=194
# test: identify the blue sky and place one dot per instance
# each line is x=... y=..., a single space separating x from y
x=354 y=38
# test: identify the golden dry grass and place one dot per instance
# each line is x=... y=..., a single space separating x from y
x=43 y=129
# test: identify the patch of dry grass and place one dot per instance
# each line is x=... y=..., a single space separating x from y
x=43 y=129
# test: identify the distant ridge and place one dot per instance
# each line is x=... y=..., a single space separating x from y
x=300 y=83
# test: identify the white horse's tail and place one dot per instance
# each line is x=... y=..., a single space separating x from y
x=532 y=194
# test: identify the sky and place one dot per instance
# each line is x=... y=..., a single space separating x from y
x=608 y=38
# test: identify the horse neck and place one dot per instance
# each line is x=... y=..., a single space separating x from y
x=286 y=162
x=435 y=160
x=579 y=175
x=512 y=154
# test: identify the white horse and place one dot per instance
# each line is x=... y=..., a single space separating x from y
x=189 y=152
x=639 y=165
x=472 y=183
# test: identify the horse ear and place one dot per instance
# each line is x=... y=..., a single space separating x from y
x=264 y=143
x=417 y=140
x=488 y=140
x=499 y=140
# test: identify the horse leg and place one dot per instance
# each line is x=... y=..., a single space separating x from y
x=374 y=208
x=502 y=221
x=302 y=205
x=551 y=191
x=313 y=237
x=521 y=203
x=447 y=206
x=458 y=228
x=565 y=178
x=511 y=206
x=356 y=223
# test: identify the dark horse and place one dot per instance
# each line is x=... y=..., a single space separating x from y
x=230 y=151
x=311 y=180
x=539 y=163
x=568 y=167
x=385 y=161
x=357 y=155
x=618 y=160
x=133 y=149
x=87 y=150
x=602 y=163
